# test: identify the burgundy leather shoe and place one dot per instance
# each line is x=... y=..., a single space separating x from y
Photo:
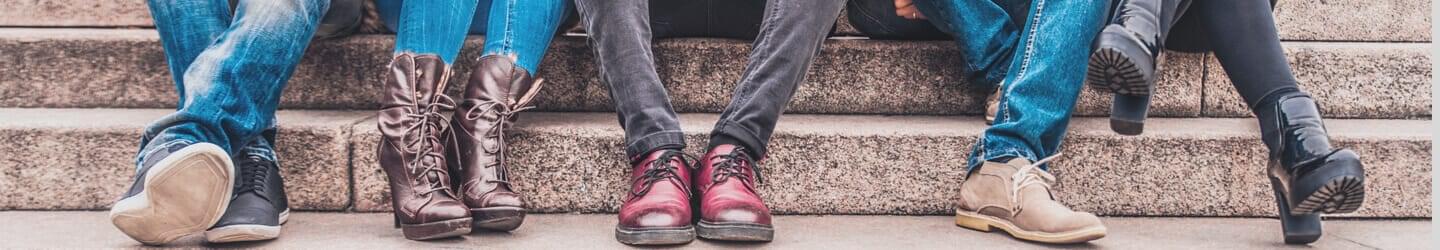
x=657 y=210
x=730 y=208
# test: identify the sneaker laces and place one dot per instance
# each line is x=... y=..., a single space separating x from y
x=661 y=170
x=1030 y=175
x=734 y=164
x=252 y=175
x=429 y=163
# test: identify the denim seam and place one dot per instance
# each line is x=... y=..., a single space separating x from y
x=1031 y=31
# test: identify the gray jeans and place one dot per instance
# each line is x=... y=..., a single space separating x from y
x=787 y=36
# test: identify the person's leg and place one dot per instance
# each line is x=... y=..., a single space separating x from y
x=1244 y=39
x=186 y=28
x=523 y=29
x=1043 y=77
x=1042 y=80
x=233 y=88
x=620 y=35
x=230 y=91
x=1309 y=177
x=657 y=209
x=790 y=38
x=432 y=27
x=501 y=85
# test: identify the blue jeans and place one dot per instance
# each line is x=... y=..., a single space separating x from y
x=522 y=28
x=229 y=70
x=1035 y=51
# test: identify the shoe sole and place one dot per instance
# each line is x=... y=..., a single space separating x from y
x=502 y=219
x=1112 y=72
x=1343 y=194
x=985 y=223
x=735 y=231
x=185 y=193
x=655 y=236
x=436 y=230
x=1110 y=69
x=238 y=233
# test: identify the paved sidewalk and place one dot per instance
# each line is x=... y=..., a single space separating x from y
x=48 y=229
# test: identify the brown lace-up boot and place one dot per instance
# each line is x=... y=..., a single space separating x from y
x=497 y=91
x=411 y=152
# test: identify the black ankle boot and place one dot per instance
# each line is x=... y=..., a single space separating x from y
x=1125 y=57
x=1308 y=176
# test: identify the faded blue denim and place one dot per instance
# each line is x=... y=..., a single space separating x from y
x=523 y=28
x=1042 y=57
x=229 y=69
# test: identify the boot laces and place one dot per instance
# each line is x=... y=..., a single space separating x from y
x=1030 y=175
x=429 y=163
x=661 y=170
x=734 y=164
x=503 y=114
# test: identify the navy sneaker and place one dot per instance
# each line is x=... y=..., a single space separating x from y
x=259 y=206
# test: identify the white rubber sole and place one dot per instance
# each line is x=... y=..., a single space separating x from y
x=185 y=193
x=238 y=233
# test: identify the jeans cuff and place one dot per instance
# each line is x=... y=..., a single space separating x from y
x=654 y=141
x=988 y=149
x=752 y=141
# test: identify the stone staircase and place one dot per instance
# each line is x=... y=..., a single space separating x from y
x=878 y=128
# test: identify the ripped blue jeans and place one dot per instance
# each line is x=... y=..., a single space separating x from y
x=229 y=69
x=523 y=28
x=1035 y=51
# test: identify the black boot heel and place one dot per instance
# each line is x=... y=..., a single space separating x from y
x=1297 y=228
x=1127 y=114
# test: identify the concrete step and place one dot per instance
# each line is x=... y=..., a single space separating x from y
x=596 y=231
x=100 y=68
x=819 y=164
x=1342 y=20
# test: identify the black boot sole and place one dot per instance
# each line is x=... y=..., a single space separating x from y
x=736 y=231
x=655 y=236
x=1119 y=65
x=497 y=218
x=1338 y=186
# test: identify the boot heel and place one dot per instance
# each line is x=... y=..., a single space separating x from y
x=1297 y=229
x=1127 y=113
x=397 y=220
x=973 y=222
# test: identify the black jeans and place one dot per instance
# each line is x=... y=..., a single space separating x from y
x=787 y=37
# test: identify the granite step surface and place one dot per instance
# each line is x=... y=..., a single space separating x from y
x=819 y=164
x=117 y=68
